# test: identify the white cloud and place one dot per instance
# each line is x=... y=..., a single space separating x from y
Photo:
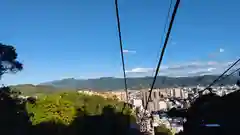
x=210 y=69
x=185 y=69
x=221 y=50
x=129 y=51
x=140 y=70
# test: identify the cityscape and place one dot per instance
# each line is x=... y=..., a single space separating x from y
x=161 y=101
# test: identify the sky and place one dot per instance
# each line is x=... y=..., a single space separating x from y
x=78 y=38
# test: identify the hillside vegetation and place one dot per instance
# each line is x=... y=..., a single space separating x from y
x=63 y=113
x=62 y=107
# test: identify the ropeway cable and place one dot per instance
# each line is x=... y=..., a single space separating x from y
x=219 y=77
x=163 y=50
x=233 y=72
x=121 y=50
x=165 y=25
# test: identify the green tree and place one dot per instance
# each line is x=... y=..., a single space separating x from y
x=8 y=62
x=52 y=108
x=162 y=130
x=64 y=107
x=115 y=97
x=14 y=117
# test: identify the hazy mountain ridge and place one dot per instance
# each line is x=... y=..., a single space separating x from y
x=30 y=89
x=111 y=83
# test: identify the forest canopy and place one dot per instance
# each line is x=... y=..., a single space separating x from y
x=63 y=106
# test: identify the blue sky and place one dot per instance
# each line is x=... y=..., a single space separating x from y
x=78 y=38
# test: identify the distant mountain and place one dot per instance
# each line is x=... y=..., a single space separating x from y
x=111 y=83
x=29 y=89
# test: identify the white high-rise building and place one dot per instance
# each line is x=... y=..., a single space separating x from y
x=163 y=105
x=177 y=92
x=137 y=102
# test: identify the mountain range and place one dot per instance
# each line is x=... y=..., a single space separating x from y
x=111 y=83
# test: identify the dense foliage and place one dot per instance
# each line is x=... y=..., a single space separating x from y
x=8 y=62
x=62 y=107
x=162 y=130
x=62 y=113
